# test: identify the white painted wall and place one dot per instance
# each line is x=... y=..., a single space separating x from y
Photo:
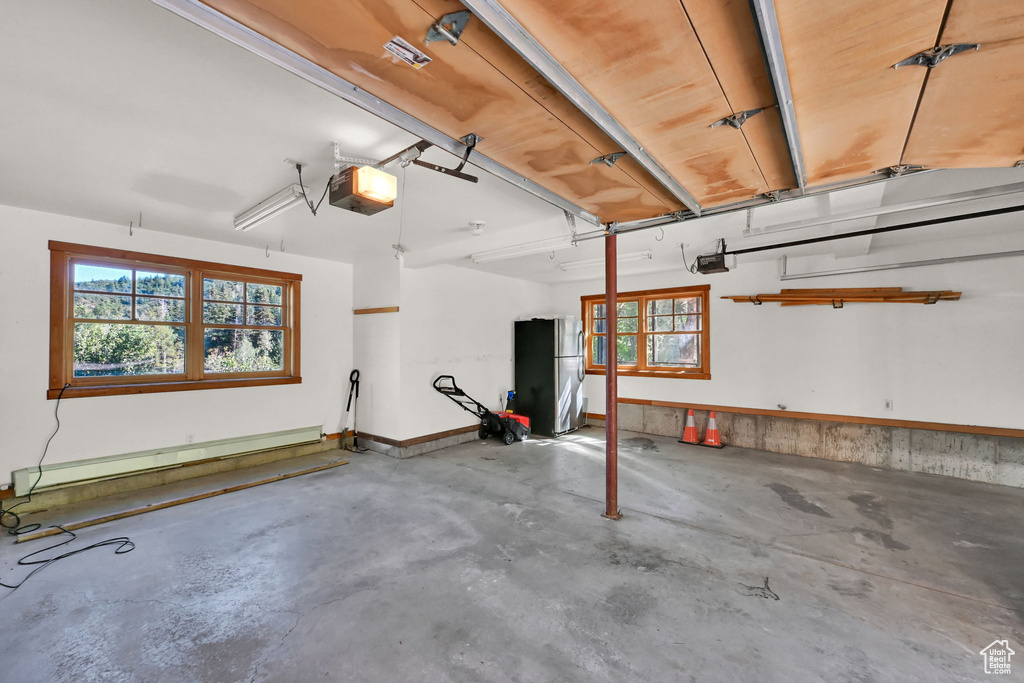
x=459 y=322
x=954 y=362
x=378 y=409
x=98 y=426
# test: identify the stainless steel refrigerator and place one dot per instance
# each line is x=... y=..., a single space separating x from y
x=549 y=374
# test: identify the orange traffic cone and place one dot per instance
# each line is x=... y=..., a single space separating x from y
x=690 y=431
x=712 y=437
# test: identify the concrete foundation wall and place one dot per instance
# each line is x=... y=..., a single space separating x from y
x=420 y=448
x=993 y=459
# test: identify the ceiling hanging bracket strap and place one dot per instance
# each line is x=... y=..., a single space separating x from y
x=899 y=170
x=736 y=120
x=470 y=141
x=609 y=159
x=934 y=56
x=449 y=27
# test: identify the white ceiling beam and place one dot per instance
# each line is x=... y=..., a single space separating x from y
x=519 y=39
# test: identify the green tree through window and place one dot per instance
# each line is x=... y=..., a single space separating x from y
x=133 y=319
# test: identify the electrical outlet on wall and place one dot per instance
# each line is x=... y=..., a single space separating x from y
x=189 y=438
x=888 y=404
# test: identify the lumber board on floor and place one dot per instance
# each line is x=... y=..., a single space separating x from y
x=972 y=109
x=172 y=502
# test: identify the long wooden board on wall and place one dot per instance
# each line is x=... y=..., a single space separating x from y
x=458 y=93
x=972 y=109
x=853 y=110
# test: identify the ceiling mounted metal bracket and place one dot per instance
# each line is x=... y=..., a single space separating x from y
x=1019 y=164
x=772 y=195
x=899 y=170
x=499 y=20
x=234 y=32
x=934 y=56
x=738 y=119
x=609 y=159
x=470 y=141
x=449 y=27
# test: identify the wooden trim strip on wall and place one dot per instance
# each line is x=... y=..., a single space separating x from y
x=825 y=417
x=418 y=439
x=368 y=311
x=106 y=252
x=117 y=390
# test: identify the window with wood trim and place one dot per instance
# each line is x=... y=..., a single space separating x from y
x=661 y=333
x=125 y=322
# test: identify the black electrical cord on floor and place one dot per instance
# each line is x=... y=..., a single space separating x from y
x=314 y=209
x=16 y=528
x=123 y=543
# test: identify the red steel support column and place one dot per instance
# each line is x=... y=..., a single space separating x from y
x=611 y=429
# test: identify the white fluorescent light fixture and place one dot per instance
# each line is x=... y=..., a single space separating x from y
x=268 y=208
x=517 y=250
x=635 y=256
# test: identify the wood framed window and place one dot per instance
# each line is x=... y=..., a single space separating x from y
x=125 y=322
x=661 y=333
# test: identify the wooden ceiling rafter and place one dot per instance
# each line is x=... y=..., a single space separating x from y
x=924 y=85
x=490 y=47
x=733 y=110
x=663 y=71
x=457 y=93
x=971 y=111
x=645 y=63
x=505 y=26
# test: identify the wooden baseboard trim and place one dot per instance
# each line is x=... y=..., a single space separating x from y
x=825 y=417
x=337 y=435
x=418 y=439
x=369 y=311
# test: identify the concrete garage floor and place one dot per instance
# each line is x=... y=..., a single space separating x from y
x=491 y=563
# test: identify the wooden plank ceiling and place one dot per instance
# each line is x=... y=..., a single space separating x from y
x=972 y=110
x=667 y=69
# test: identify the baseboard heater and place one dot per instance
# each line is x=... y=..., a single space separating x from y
x=108 y=467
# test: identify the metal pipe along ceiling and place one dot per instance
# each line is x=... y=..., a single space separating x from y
x=876 y=231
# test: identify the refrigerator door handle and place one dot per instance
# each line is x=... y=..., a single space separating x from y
x=581 y=365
